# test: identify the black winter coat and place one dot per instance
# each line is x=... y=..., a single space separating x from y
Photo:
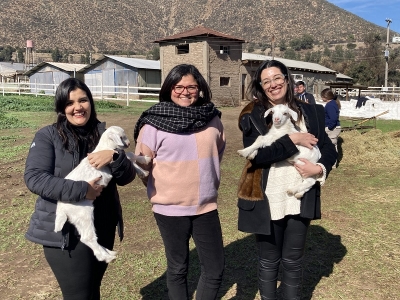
x=47 y=164
x=254 y=215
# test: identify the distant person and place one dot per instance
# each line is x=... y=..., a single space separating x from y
x=302 y=94
x=184 y=136
x=279 y=220
x=56 y=149
x=332 y=112
x=361 y=101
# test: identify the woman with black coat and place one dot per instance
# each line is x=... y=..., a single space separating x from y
x=279 y=220
x=56 y=150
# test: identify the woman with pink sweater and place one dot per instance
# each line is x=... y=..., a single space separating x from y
x=184 y=136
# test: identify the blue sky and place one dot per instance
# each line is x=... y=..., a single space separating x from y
x=375 y=11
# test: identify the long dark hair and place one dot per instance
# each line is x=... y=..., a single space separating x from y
x=328 y=95
x=256 y=93
x=62 y=125
x=176 y=74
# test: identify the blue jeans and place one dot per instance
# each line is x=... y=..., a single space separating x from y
x=285 y=245
x=206 y=232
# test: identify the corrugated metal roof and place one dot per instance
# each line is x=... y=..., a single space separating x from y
x=342 y=76
x=198 y=31
x=291 y=64
x=66 y=66
x=137 y=62
x=6 y=71
x=14 y=66
x=63 y=66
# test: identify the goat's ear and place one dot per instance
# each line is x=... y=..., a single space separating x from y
x=267 y=112
x=116 y=139
x=293 y=114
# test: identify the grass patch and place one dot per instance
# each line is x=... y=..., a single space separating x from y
x=382 y=125
x=351 y=253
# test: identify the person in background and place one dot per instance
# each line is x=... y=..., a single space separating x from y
x=56 y=149
x=332 y=111
x=184 y=136
x=302 y=94
x=295 y=89
x=279 y=220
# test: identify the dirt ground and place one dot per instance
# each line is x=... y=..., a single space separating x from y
x=25 y=273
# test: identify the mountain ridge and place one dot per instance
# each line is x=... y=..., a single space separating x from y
x=107 y=25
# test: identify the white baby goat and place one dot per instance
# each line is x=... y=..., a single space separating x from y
x=281 y=126
x=80 y=213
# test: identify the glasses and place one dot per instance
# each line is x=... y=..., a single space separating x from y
x=278 y=79
x=179 y=89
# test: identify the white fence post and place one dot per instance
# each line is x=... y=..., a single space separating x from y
x=36 y=92
x=127 y=93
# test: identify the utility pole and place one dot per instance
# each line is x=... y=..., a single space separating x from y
x=387 y=53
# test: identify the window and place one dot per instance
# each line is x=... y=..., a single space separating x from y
x=224 y=81
x=182 y=49
x=224 y=49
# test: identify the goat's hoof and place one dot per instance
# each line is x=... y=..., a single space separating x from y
x=240 y=152
x=252 y=155
x=299 y=195
x=143 y=174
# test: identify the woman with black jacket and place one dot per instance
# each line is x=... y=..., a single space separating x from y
x=56 y=149
x=279 y=220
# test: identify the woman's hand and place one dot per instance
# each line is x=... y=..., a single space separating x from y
x=101 y=158
x=305 y=139
x=307 y=168
x=94 y=190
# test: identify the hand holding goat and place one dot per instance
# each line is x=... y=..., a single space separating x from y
x=282 y=125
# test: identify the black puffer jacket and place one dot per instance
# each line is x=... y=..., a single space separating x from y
x=47 y=164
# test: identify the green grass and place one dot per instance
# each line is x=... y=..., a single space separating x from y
x=383 y=125
x=351 y=253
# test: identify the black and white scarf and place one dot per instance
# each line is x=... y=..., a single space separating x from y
x=170 y=117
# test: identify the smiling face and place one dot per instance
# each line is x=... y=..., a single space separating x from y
x=301 y=89
x=276 y=93
x=189 y=95
x=78 y=108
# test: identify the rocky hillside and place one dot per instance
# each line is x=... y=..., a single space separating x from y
x=100 y=25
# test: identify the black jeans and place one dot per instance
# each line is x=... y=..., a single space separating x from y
x=77 y=270
x=285 y=244
x=206 y=232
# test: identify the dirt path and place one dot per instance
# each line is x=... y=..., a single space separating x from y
x=24 y=271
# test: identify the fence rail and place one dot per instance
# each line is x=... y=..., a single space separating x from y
x=107 y=92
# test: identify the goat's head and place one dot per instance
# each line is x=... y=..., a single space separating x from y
x=280 y=114
x=115 y=138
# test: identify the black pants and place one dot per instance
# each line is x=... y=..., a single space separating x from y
x=206 y=232
x=285 y=245
x=77 y=270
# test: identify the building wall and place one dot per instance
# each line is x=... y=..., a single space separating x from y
x=44 y=79
x=215 y=67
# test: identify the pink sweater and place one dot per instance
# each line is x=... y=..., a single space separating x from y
x=185 y=175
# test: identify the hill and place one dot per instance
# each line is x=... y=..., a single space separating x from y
x=109 y=25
